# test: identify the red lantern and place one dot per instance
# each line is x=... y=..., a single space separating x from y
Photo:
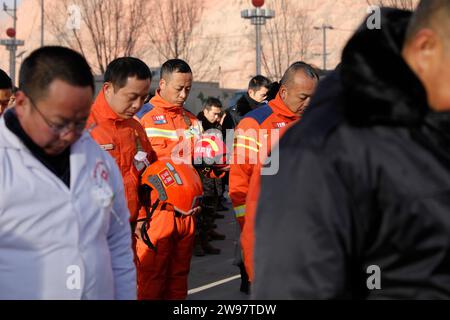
x=258 y=3
x=11 y=32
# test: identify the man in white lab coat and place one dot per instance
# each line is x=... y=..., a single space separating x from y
x=64 y=231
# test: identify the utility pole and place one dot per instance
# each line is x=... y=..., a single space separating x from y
x=324 y=29
x=12 y=59
x=42 y=23
x=258 y=18
x=12 y=44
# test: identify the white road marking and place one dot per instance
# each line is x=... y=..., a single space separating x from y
x=214 y=284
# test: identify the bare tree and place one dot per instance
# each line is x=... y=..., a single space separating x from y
x=106 y=30
x=288 y=38
x=174 y=33
x=172 y=25
x=401 y=4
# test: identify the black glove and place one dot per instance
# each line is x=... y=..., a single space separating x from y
x=144 y=195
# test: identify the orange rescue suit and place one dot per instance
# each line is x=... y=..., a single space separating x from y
x=122 y=139
x=248 y=233
x=163 y=274
x=252 y=143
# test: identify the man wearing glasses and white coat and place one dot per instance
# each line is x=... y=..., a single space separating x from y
x=64 y=231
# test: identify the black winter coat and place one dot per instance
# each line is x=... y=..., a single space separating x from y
x=368 y=174
x=234 y=115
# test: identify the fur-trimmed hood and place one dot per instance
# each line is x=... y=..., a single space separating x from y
x=380 y=87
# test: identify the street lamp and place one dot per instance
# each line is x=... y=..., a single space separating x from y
x=324 y=29
x=42 y=23
x=12 y=43
x=258 y=18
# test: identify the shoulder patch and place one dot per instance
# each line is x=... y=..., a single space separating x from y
x=146 y=108
x=159 y=120
x=260 y=114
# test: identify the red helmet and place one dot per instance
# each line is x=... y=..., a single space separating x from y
x=177 y=184
x=210 y=150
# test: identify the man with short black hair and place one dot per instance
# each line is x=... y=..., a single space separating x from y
x=63 y=213
x=254 y=98
x=369 y=170
x=211 y=113
x=212 y=186
x=127 y=82
x=6 y=88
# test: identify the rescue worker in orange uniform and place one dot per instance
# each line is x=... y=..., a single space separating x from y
x=111 y=123
x=254 y=138
x=251 y=204
x=171 y=130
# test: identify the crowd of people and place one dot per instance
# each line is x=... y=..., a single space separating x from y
x=110 y=197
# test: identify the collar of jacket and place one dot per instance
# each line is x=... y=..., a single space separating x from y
x=102 y=110
x=158 y=102
x=253 y=104
x=434 y=135
x=379 y=86
x=281 y=109
x=206 y=125
x=245 y=104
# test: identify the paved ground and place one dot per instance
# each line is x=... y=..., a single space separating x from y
x=214 y=277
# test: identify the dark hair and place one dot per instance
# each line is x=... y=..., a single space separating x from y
x=273 y=91
x=47 y=64
x=212 y=102
x=151 y=94
x=309 y=70
x=258 y=82
x=426 y=13
x=5 y=80
x=119 y=70
x=174 y=65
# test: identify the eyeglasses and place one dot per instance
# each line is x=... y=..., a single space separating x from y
x=60 y=129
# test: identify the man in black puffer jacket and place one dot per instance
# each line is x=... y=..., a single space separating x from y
x=368 y=169
x=255 y=97
x=209 y=117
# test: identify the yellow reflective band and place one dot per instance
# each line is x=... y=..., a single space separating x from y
x=213 y=144
x=236 y=145
x=249 y=139
x=239 y=211
x=161 y=133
